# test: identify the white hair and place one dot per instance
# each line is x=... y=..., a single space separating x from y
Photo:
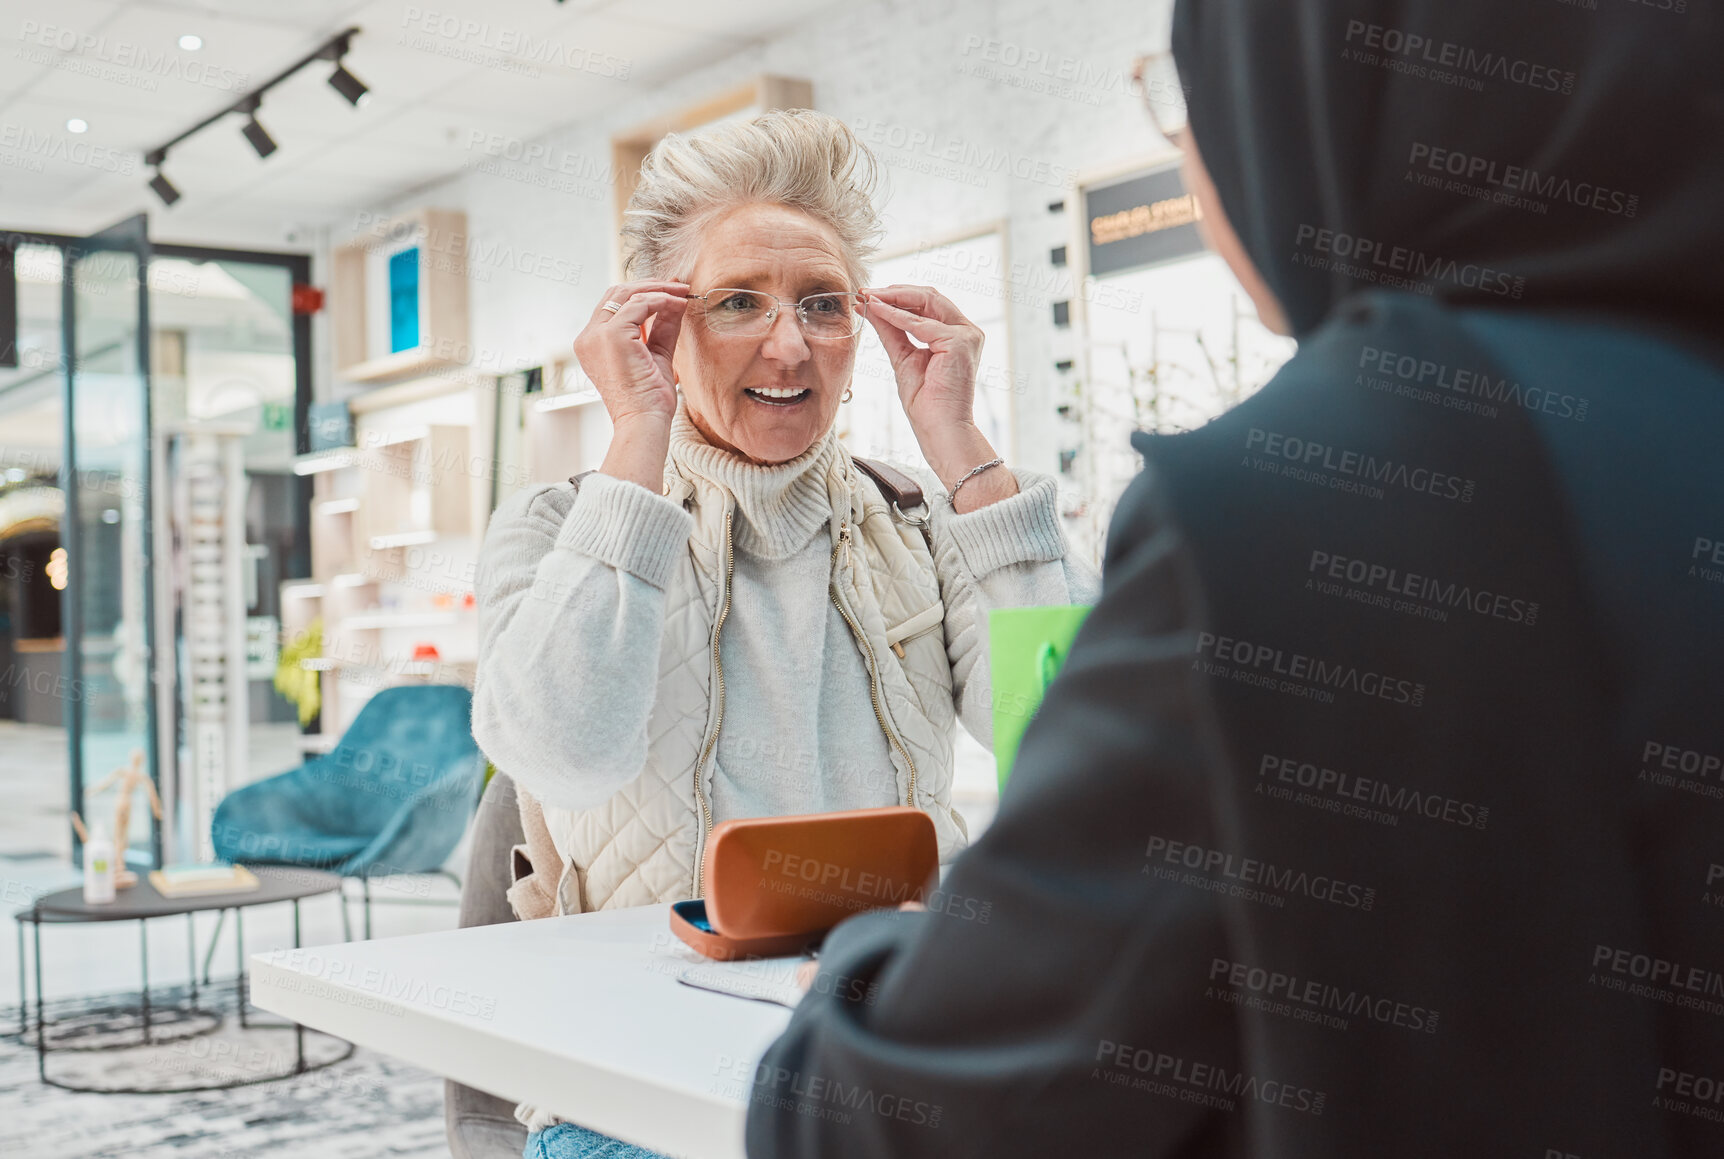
x=799 y=158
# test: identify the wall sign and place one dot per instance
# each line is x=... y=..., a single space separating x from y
x=1140 y=221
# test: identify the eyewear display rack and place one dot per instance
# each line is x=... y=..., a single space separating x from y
x=201 y=563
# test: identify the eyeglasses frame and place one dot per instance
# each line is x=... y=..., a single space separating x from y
x=801 y=315
x=1139 y=67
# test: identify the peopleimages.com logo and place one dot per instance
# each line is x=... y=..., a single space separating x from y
x=1378 y=584
x=1325 y=463
x=1198 y=1082
x=1372 y=260
x=1520 y=179
x=1463 y=389
x=1392 y=801
x=124 y=62
x=1317 y=671
x=36 y=148
x=1444 y=60
x=1341 y=1000
x=1235 y=870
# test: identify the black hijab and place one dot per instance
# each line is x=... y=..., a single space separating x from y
x=1513 y=153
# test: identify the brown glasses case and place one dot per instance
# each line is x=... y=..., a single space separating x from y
x=775 y=885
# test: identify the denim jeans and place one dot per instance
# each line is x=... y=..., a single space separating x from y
x=570 y=1141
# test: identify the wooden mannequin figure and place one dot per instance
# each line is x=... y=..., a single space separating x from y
x=129 y=777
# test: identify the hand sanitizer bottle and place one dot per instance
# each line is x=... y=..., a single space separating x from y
x=98 y=868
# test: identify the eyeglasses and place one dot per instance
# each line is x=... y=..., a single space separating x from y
x=749 y=313
x=1163 y=94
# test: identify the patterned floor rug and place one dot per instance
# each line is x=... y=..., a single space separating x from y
x=365 y=1107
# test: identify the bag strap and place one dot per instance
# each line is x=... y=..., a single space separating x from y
x=900 y=491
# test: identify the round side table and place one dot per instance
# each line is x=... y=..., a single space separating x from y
x=140 y=903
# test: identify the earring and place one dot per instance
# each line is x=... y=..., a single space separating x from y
x=848 y=391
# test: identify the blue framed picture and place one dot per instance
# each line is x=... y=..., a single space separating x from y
x=404 y=300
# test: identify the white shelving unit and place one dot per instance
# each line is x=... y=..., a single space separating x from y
x=565 y=429
x=396 y=522
x=397 y=519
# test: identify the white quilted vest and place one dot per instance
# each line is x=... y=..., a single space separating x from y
x=644 y=845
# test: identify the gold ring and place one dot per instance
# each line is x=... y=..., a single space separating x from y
x=613 y=307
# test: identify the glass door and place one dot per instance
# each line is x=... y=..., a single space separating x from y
x=105 y=474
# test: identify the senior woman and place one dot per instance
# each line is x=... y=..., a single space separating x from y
x=730 y=617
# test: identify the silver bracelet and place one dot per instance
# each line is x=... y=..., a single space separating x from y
x=952 y=496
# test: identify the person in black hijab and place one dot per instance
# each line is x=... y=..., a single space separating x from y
x=1379 y=809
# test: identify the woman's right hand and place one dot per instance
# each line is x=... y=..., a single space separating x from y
x=630 y=367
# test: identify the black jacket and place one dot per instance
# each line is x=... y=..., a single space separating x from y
x=1379 y=809
x=1384 y=771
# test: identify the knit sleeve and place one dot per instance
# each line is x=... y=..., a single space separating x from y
x=624 y=525
x=1013 y=553
x=1021 y=528
x=571 y=611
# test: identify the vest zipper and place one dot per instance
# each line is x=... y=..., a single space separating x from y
x=873 y=665
x=718 y=722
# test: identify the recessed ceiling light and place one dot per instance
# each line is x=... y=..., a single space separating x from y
x=191 y=43
x=77 y=125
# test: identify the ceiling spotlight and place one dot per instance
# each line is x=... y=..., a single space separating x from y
x=348 y=85
x=260 y=139
x=77 y=125
x=333 y=51
x=164 y=188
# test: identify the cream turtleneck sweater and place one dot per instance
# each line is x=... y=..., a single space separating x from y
x=571 y=590
x=780 y=506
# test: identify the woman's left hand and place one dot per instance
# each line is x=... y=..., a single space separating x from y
x=936 y=381
x=937 y=385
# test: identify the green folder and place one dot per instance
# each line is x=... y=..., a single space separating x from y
x=1026 y=647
